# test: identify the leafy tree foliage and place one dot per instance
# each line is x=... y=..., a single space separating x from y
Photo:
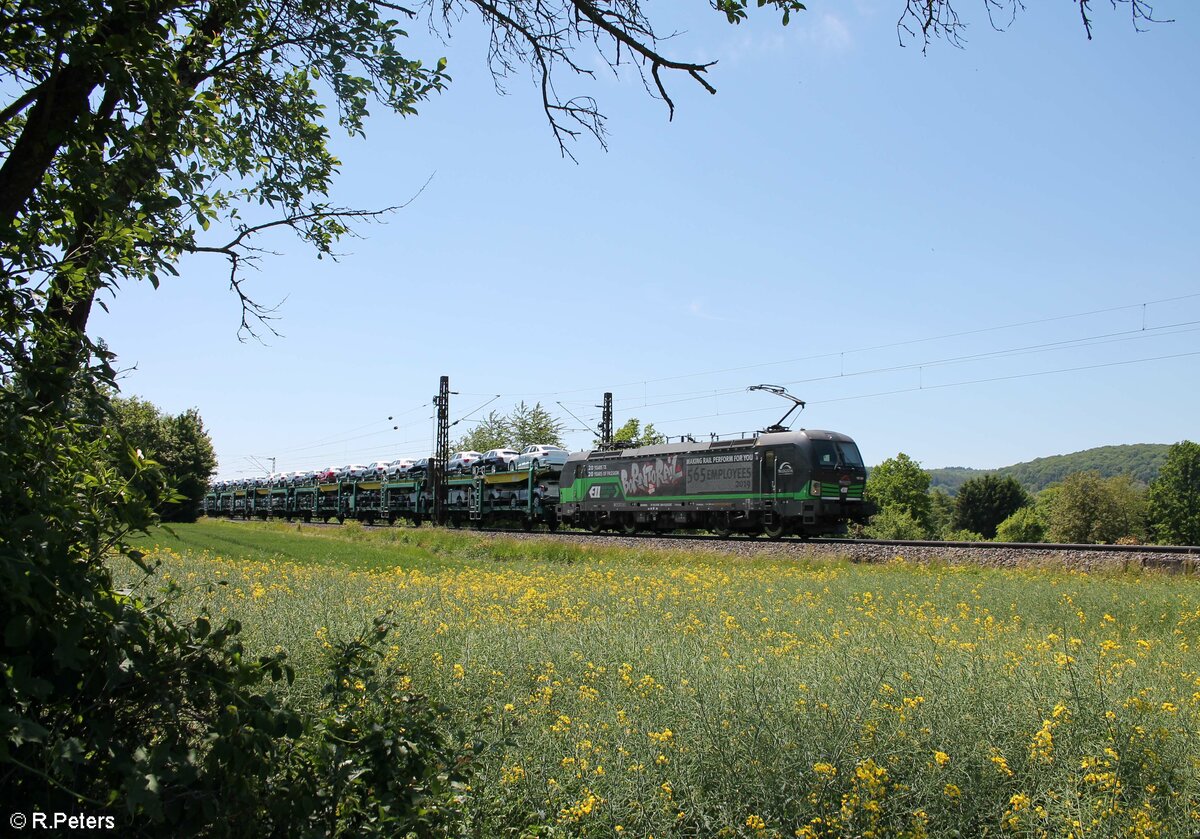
x=962 y=535
x=179 y=445
x=1089 y=509
x=129 y=129
x=1025 y=525
x=108 y=703
x=941 y=513
x=1174 y=497
x=530 y=425
x=894 y=523
x=901 y=485
x=524 y=426
x=631 y=435
x=982 y=503
x=492 y=432
x=1140 y=461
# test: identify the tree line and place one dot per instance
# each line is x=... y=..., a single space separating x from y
x=528 y=425
x=1083 y=507
x=1140 y=461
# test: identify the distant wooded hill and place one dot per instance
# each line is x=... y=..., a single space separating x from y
x=1140 y=461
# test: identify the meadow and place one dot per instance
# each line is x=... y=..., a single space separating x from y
x=622 y=691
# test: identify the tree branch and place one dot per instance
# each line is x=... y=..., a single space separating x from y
x=621 y=35
x=239 y=252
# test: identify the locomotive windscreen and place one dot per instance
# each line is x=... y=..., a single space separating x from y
x=833 y=454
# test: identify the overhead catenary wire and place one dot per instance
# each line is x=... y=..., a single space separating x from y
x=1074 y=343
x=646 y=399
x=944 y=385
x=889 y=345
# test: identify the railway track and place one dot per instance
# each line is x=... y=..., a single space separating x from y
x=1185 y=557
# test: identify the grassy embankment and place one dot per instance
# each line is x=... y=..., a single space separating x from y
x=637 y=693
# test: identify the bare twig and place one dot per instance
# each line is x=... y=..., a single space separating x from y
x=241 y=253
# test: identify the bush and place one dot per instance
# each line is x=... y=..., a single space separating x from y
x=962 y=535
x=180 y=446
x=899 y=483
x=1088 y=509
x=108 y=701
x=893 y=523
x=983 y=503
x=1025 y=525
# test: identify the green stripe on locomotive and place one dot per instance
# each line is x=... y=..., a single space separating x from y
x=578 y=491
x=781 y=467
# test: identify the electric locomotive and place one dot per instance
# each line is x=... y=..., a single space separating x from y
x=805 y=482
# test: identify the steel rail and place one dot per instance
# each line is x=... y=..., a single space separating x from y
x=1184 y=550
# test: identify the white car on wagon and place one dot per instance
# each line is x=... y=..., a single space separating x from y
x=540 y=456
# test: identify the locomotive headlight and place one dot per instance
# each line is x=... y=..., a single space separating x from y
x=816 y=489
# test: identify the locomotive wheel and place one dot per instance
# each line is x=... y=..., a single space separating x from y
x=391 y=519
x=722 y=528
x=773 y=531
x=552 y=525
x=629 y=526
x=595 y=526
x=527 y=524
x=341 y=519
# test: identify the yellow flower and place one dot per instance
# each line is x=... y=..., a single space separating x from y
x=826 y=769
x=942 y=758
x=755 y=822
x=951 y=791
x=1041 y=748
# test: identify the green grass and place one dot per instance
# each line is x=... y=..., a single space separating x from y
x=697 y=695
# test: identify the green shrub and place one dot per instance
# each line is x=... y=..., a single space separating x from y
x=1025 y=525
x=894 y=523
x=109 y=702
x=984 y=502
x=962 y=535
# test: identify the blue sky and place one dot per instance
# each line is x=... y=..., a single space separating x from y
x=975 y=256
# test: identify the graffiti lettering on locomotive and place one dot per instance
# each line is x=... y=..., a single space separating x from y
x=720 y=473
x=652 y=476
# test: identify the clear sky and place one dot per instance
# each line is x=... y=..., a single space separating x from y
x=976 y=256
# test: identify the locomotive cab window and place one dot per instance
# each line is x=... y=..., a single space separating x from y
x=833 y=454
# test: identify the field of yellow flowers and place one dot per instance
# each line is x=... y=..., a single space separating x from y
x=625 y=692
